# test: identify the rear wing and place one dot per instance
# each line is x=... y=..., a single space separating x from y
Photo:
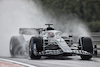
x=30 y=31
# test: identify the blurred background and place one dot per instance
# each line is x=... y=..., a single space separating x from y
x=86 y=10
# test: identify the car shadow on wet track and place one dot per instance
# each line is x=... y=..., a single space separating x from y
x=54 y=58
x=65 y=58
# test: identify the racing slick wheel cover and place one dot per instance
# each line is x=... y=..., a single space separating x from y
x=35 y=46
x=15 y=45
x=86 y=46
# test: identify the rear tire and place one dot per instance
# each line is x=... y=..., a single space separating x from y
x=86 y=46
x=15 y=45
x=35 y=46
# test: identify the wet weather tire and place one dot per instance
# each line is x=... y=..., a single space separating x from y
x=15 y=45
x=86 y=45
x=35 y=46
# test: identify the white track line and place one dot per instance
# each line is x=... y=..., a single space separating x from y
x=20 y=63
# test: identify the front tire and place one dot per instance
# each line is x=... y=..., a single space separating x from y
x=86 y=45
x=35 y=46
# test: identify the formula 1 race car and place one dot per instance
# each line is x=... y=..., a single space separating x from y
x=48 y=42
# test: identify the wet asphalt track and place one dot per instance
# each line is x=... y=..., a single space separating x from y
x=72 y=61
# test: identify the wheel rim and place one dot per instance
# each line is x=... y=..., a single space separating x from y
x=34 y=49
x=30 y=50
